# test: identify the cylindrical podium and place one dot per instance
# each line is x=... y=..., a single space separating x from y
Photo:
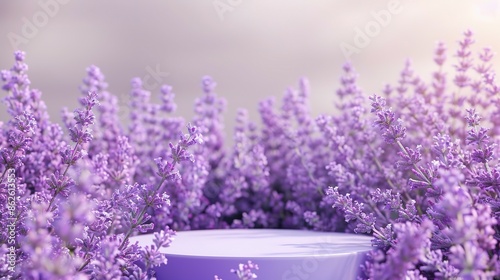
x=280 y=254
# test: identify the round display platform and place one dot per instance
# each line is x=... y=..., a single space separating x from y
x=280 y=254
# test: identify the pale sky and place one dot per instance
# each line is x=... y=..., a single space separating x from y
x=253 y=49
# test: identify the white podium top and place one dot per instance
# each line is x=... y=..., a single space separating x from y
x=280 y=254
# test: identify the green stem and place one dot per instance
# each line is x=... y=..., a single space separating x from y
x=419 y=171
x=57 y=190
x=87 y=261
x=3 y=174
x=139 y=217
x=405 y=193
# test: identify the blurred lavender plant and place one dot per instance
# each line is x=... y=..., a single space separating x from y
x=244 y=271
x=77 y=205
x=440 y=194
x=415 y=166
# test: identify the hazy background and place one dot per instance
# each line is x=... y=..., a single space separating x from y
x=253 y=49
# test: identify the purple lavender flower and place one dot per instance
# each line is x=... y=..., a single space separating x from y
x=423 y=181
x=80 y=135
x=208 y=119
x=408 y=250
x=245 y=271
